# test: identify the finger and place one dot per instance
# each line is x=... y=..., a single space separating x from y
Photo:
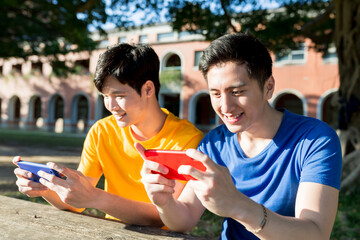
x=202 y=157
x=189 y=170
x=157 y=179
x=29 y=185
x=49 y=184
x=21 y=173
x=49 y=177
x=150 y=166
x=64 y=171
x=158 y=188
x=16 y=159
x=140 y=148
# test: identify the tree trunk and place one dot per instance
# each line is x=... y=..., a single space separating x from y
x=347 y=32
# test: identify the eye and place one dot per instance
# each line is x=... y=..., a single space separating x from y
x=215 y=94
x=237 y=92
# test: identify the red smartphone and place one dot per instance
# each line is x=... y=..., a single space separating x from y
x=173 y=159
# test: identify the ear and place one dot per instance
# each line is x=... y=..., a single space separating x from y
x=269 y=87
x=148 y=88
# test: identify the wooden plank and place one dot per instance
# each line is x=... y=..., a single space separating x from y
x=20 y=219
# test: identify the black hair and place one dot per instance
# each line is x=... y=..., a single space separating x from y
x=241 y=48
x=131 y=64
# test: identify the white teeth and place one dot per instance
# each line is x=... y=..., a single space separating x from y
x=233 y=117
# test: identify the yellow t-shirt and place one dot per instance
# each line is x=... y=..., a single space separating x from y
x=109 y=150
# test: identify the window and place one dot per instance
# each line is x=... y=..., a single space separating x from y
x=184 y=34
x=103 y=43
x=0 y=109
x=290 y=102
x=198 y=55
x=163 y=37
x=36 y=67
x=173 y=62
x=172 y=103
x=296 y=56
x=81 y=66
x=122 y=40
x=17 y=68
x=205 y=114
x=143 y=39
x=330 y=56
x=37 y=108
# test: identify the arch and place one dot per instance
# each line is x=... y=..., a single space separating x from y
x=201 y=113
x=14 y=111
x=35 y=106
x=167 y=55
x=100 y=109
x=171 y=76
x=292 y=100
x=171 y=79
x=327 y=107
x=80 y=112
x=172 y=102
x=0 y=110
x=35 y=111
x=56 y=109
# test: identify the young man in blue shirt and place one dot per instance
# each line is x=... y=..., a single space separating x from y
x=270 y=173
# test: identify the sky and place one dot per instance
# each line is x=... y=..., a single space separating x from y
x=137 y=17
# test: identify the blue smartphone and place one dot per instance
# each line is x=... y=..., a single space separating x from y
x=35 y=167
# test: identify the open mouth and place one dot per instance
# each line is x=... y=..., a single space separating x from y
x=233 y=118
x=119 y=117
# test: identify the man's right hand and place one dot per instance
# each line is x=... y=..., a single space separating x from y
x=26 y=186
x=159 y=189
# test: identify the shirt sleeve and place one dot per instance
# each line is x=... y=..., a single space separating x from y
x=89 y=164
x=322 y=157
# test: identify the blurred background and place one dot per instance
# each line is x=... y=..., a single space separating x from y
x=49 y=50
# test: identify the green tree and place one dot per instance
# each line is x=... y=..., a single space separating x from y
x=48 y=27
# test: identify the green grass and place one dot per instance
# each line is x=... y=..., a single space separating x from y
x=40 y=138
x=347 y=222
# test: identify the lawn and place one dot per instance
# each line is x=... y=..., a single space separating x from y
x=41 y=138
x=347 y=222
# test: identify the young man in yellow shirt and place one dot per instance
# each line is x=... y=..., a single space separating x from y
x=128 y=78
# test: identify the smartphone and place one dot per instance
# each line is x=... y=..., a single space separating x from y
x=173 y=159
x=35 y=167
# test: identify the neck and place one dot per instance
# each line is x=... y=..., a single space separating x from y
x=150 y=126
x=266 y=125
x=258 y=136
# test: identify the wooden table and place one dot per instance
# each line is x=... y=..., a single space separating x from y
x=20 y=219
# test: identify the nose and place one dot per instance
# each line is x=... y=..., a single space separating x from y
x=112 y=104
x=225 y=104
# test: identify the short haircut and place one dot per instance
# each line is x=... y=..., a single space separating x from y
x=131 y=64
x=241 y=48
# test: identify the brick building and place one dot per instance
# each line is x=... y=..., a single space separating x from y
x=32 y=97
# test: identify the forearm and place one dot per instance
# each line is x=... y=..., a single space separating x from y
x=126 y=210
x=305 y=226
x=283 y=228
x=178 y=216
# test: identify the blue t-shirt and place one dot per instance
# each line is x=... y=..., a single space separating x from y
x=304 y=149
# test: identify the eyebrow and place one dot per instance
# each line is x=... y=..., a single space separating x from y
x=231 y=87
x=115 y=92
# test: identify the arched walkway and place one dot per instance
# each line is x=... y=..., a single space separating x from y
x=291 y=100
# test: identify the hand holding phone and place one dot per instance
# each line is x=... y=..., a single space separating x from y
x=35 y=167
x=173 y=159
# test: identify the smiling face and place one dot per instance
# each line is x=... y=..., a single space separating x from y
x=123 y=102
x=236 y=98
